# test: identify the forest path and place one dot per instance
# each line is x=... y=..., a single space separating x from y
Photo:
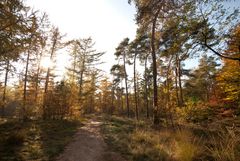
x=88 y=145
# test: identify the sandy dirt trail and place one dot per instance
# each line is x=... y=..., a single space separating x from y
x=88 y=145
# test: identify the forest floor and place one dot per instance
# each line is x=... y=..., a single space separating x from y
x=88 y=145
x=113 y=138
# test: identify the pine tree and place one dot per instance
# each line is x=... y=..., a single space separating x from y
x=122 y=51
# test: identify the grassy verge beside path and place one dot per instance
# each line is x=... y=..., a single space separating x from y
x=35 y=140
x=138 y=141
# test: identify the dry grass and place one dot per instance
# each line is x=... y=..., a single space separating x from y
x=139 y=142
x=188 y=146
x=225 y=146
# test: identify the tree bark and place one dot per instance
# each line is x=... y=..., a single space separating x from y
x=81 y=79
x=146 y=86
x=126 y=84
x=176 y=86
x=47 y=80
x=122 y=101
x=25 y=87
x=81 y=76
x=80 y=85
x=5 y=87
x=178 y=82
x=135 y=86
x=168 y=104
x=37 y=77
x=154 y=59
x=112 y=100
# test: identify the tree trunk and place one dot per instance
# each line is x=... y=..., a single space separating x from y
x=25 y=87
x=45 y=94
x=168 y=104
x=138 y=97
x=80 y=85
x=126 y=85
x=176 y=86
x=5 y=87
x=180 y=82
x=122 y=101
x=135 y=86
x=146 y=87
x=47 y=81
x=112 y=100
x=74 y=66
x=154 y=59
x=176 y=80
x=81 y=78
x=119 y=101
x=37 y=77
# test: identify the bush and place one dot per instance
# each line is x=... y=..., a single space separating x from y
x=195 y=112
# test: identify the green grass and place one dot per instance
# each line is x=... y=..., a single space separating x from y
x=35 y=140
x=138 y=141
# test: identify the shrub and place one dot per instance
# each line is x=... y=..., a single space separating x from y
x=195 y=112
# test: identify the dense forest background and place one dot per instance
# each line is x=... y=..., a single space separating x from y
x=169 y=35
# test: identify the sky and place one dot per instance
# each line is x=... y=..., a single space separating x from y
x=106 y=21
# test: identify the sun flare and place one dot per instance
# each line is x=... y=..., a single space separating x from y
x=46 y=62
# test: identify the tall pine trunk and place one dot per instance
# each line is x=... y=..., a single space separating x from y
x=180 y=83
x=154 y=64
x=25 y=86
x=47 y=80
x=37 y=77
x=146 y=87
x=5 y=87
x=176 y=86
x=135 y=86
x=126 y=85
x=81 y=79
x=112 y=99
